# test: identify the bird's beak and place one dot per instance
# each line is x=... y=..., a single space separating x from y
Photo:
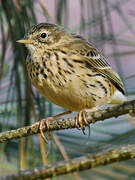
x=26 y=41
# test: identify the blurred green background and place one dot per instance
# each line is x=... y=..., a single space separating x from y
x=109 y=25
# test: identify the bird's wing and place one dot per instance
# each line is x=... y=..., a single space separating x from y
x=96 y=61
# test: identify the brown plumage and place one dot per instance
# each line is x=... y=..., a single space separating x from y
x=69 y=71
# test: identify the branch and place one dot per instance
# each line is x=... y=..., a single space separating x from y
x=77 y=164
x=69 y=123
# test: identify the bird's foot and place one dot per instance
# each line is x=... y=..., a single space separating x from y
x=81 y=120
x=46 y=123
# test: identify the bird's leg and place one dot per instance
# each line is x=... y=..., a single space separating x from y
x=81 y=119
x=46 y=120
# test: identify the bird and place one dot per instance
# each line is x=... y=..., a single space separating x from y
x=70 y=72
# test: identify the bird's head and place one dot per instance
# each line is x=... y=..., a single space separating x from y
x=43 y=35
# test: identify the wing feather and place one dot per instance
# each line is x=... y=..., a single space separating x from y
x=97 y=61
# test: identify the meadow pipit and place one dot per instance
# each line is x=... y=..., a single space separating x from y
x=70 y=72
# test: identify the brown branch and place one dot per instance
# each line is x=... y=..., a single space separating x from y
x=77 y=164
x=69 y=123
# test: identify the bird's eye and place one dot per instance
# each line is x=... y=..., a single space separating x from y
x=43 y=35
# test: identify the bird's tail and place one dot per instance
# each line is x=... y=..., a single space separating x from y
x=119 y=98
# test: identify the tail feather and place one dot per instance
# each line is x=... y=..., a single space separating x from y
x=118 y=98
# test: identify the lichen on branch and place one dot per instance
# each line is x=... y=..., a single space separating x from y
x=77 y=164
x=69 y=123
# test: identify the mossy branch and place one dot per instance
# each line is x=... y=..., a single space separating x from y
x=77 y=164
x=69 y=123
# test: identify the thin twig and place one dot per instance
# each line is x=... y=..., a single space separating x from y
x=42 y=143
x=42 y=4
x=64 y=153
x=22 y=154
x=130 y=119
x=60 y=147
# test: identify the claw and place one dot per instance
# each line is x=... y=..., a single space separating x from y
x=86 y=122
x=77 y=121
x=46 y=122
x=81 y=119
